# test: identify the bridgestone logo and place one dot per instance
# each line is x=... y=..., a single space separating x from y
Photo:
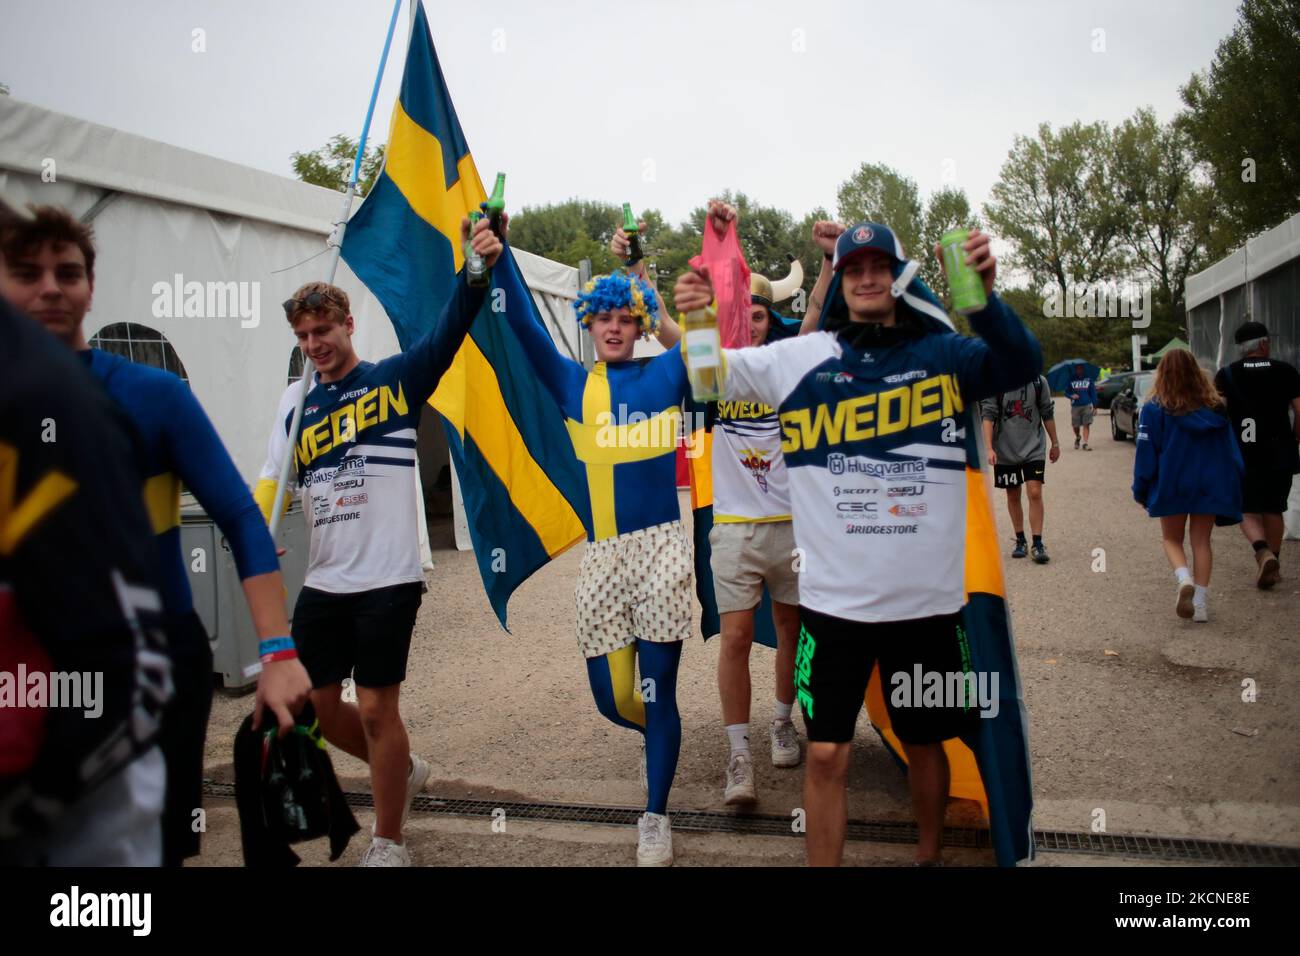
x=881 y=529
x=332 y=519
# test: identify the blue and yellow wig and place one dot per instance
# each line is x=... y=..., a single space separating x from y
x=619 y=290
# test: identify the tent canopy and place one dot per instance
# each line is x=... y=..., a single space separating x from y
x=1174 y=343
x=166 y=217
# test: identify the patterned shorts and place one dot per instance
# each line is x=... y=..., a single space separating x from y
x=636 y=586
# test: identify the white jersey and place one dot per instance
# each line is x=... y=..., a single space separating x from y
x=749 y=479
x=876 y=446
x=357 y=481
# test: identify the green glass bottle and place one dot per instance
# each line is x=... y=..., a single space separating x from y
x=496 y=204
x=634 y=253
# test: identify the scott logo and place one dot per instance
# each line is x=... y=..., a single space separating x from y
x=863 y=234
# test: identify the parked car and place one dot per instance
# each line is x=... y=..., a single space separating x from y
x=1126 y=407
x=1112 y=386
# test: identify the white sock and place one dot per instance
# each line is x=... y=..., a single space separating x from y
x=738 y=734
x=781 y=712
x=1198 y=599
x=1183 y=575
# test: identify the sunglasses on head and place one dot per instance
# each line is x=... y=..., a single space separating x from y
x=311 y=302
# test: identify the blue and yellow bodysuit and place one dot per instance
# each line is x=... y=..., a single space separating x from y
x=635 y=586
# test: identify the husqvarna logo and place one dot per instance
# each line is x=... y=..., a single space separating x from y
x=863 y=234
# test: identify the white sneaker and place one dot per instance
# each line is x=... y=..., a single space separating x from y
x=654 y=840
x=785 y=744
x=740 y=780
x=641 y=771
x=1186 y=591
x=1199 y=614
x=415 y=781
x=384 y=852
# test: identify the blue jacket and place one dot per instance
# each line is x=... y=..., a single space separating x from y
x=1187 y=464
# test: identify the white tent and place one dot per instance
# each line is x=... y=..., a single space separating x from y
x=166 y=218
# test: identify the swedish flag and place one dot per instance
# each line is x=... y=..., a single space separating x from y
x=525 y=494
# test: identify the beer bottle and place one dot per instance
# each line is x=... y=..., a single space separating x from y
x=634 y=253
x=496 y=204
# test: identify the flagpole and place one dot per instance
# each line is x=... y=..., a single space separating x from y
x=336 y=238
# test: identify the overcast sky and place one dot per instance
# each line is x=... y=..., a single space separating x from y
x=657 y=103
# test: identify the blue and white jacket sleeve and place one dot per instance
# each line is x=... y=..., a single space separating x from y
x=1146 y=462
x=769 y=373
x=1004 y=356
x=201 y=461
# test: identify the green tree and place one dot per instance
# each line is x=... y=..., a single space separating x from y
x=331 y=165
x=884 y=195
x=1055 y=203
x=4 y=90
x=1168 y=212
x=1244 y=123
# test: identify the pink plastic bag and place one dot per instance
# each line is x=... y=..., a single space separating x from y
x=725 y=266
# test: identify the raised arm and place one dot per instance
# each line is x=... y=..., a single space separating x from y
x=1006 y=354
x=824 y=235
x=670 y=333
x=425 y=362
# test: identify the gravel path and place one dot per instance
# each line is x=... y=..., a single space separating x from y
x=1133 y=712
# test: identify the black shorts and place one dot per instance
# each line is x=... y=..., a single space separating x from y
x=1013 y=476
x=833 y=663
x=1265 y=490
x=364 y=635
x=183 y=736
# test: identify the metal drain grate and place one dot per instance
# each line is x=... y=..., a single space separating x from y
x=871 y=831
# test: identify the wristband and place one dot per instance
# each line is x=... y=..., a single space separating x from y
x=287 y=655
x=272 y=644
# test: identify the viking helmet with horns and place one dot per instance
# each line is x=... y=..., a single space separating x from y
x=763 y=291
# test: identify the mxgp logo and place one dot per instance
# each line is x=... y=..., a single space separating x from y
x=208 y=300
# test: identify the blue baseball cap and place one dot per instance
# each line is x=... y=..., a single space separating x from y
x=864 y=236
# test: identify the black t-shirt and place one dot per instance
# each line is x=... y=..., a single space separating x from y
x=1262 y=390
x=78 y=579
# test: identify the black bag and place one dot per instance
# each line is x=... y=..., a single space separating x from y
x=286 y=791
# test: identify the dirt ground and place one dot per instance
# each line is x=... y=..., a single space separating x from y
x=1132 y=711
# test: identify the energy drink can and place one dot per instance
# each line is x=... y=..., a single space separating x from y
x=966 y=284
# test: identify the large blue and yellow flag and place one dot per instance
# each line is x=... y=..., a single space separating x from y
x=501 y=424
